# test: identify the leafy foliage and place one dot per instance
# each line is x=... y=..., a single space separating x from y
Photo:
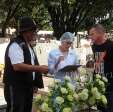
x=65 y=97
x=12 y=10
x=61 y=15
x=69 y=15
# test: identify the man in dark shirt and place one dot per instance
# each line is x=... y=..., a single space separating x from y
x=103 y=57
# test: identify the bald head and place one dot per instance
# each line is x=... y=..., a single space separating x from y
x=97 y=33
x=99 y=28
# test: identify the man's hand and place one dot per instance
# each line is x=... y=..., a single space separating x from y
x=101 y=57
x=33 y=68
x=43 y=69
x=35 y=90
x=97 y=67
x=61 y=58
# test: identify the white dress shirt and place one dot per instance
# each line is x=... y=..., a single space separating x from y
x=16 y=55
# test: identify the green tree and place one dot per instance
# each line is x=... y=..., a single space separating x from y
x=69 y=15
x=9 y=8
x=13 y=10
x=37 y=11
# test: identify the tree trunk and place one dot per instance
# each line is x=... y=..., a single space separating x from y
x=10 y=15
x=4 y=30
x=5 y=26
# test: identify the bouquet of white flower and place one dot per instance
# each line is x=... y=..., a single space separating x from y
x=59 y=99
x=65 y=97
x=90 y=93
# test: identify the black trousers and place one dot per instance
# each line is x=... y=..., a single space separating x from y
x=19 y=99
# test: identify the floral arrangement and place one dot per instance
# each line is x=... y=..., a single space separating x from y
x=1 y=67
x=65 y=97
x=89 y=93
x=1 y=70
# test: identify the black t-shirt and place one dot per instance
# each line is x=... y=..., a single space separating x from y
x=106 y=66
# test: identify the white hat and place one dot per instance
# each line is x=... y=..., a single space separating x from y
x=67 y=36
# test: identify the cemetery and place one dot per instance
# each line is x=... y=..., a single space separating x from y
x=56 y=55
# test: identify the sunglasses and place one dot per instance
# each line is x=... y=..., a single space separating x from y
x=69 y=43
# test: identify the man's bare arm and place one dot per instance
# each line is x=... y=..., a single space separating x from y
x=32 y=68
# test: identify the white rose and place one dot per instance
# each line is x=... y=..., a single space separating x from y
x=103 y=99
x=105 y=79
x=70 y=98
x=85 y=90
x=67 y=109
x=44 y=107
x=67 y=78
x=70 y=86
x=94 y=90
x=101 y=83
x=76 y=97
x=83 y=96
x=92 y=101
x=98 y=76
x=64 y=91
x=38 y=97
x=59 y=100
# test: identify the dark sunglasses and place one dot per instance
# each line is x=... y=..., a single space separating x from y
x=69 y=43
